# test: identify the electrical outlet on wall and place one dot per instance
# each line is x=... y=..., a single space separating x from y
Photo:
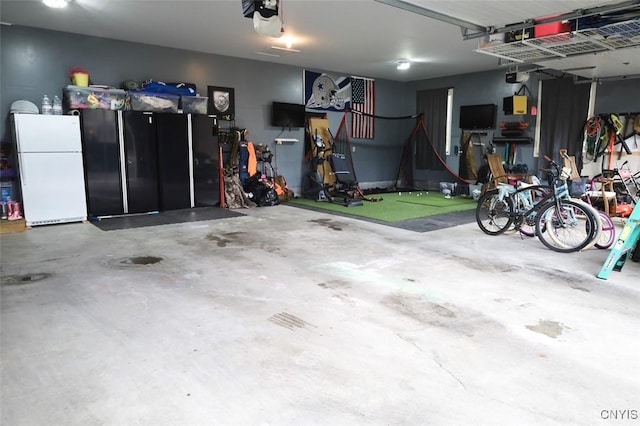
x=353 y=149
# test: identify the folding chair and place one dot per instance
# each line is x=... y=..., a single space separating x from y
x=499 y=175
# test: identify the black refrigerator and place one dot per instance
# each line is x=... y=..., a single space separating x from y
x=102 y=162
x=173 y=161
x=141 y=162
x=206 y=171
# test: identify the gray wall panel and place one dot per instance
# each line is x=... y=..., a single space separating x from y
x=621 y=96
x=35 y=62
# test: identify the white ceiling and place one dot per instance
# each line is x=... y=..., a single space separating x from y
x=358 y=37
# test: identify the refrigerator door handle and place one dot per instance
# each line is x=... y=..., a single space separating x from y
x=21 y=169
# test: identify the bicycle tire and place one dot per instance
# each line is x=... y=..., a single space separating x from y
x=597 y=230
x=568 y=229
x=493 y=215
x=608 y=235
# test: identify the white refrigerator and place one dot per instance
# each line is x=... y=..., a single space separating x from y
x=50 y=168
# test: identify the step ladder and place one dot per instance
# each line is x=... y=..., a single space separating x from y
x=624 y=246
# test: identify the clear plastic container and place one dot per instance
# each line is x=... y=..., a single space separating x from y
x=57 y=106
x=47 y=108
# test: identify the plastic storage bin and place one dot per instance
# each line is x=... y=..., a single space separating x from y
x=194 y=104
x=155 y=102
x=77 y=97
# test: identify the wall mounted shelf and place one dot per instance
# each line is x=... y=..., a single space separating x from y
x=281 y=141
x=515 y=140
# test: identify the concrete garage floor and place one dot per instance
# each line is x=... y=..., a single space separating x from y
x=287 y=316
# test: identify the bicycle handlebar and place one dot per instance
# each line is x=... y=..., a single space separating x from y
x=552 y=163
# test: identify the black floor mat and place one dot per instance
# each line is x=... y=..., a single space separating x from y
x=423 y=224
x=165 y=218
x=433 y=223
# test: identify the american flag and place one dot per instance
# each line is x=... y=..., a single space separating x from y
x=362 y=100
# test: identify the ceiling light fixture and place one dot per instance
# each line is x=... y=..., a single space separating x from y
x=56 y=4
x=403 y=65
x=286 y=49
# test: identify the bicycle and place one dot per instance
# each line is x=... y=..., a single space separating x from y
x=626 y=182
x=608 y=234
x=580 y=192
x=547 y=211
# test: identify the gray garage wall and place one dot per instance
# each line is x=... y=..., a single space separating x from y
x=35 y=62
x=473 y=89
x=618 y=96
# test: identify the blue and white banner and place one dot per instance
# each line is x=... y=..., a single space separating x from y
x=327 y=91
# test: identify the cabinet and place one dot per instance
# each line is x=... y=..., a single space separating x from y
x=173 y=161
x=102 y=162
x=206 y=170
x=141 y=162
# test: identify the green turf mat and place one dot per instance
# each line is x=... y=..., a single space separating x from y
x=396 y=207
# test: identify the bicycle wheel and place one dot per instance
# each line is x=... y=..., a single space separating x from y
x=567 y=228
x=493 y=215
x=608 y=235
x=597 y=230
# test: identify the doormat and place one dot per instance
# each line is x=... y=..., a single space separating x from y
x=165 y=218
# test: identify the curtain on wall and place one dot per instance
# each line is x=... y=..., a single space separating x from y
x=563 y=113
x=433 y=104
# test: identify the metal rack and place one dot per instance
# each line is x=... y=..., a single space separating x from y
x=580 y=42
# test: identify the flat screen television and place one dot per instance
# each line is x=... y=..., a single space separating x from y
x=478 y=117
x=287 y=115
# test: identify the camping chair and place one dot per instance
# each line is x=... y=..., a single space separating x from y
x=499 y=175
x=346 y=185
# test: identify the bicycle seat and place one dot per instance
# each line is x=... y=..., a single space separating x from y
x=524 y=185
